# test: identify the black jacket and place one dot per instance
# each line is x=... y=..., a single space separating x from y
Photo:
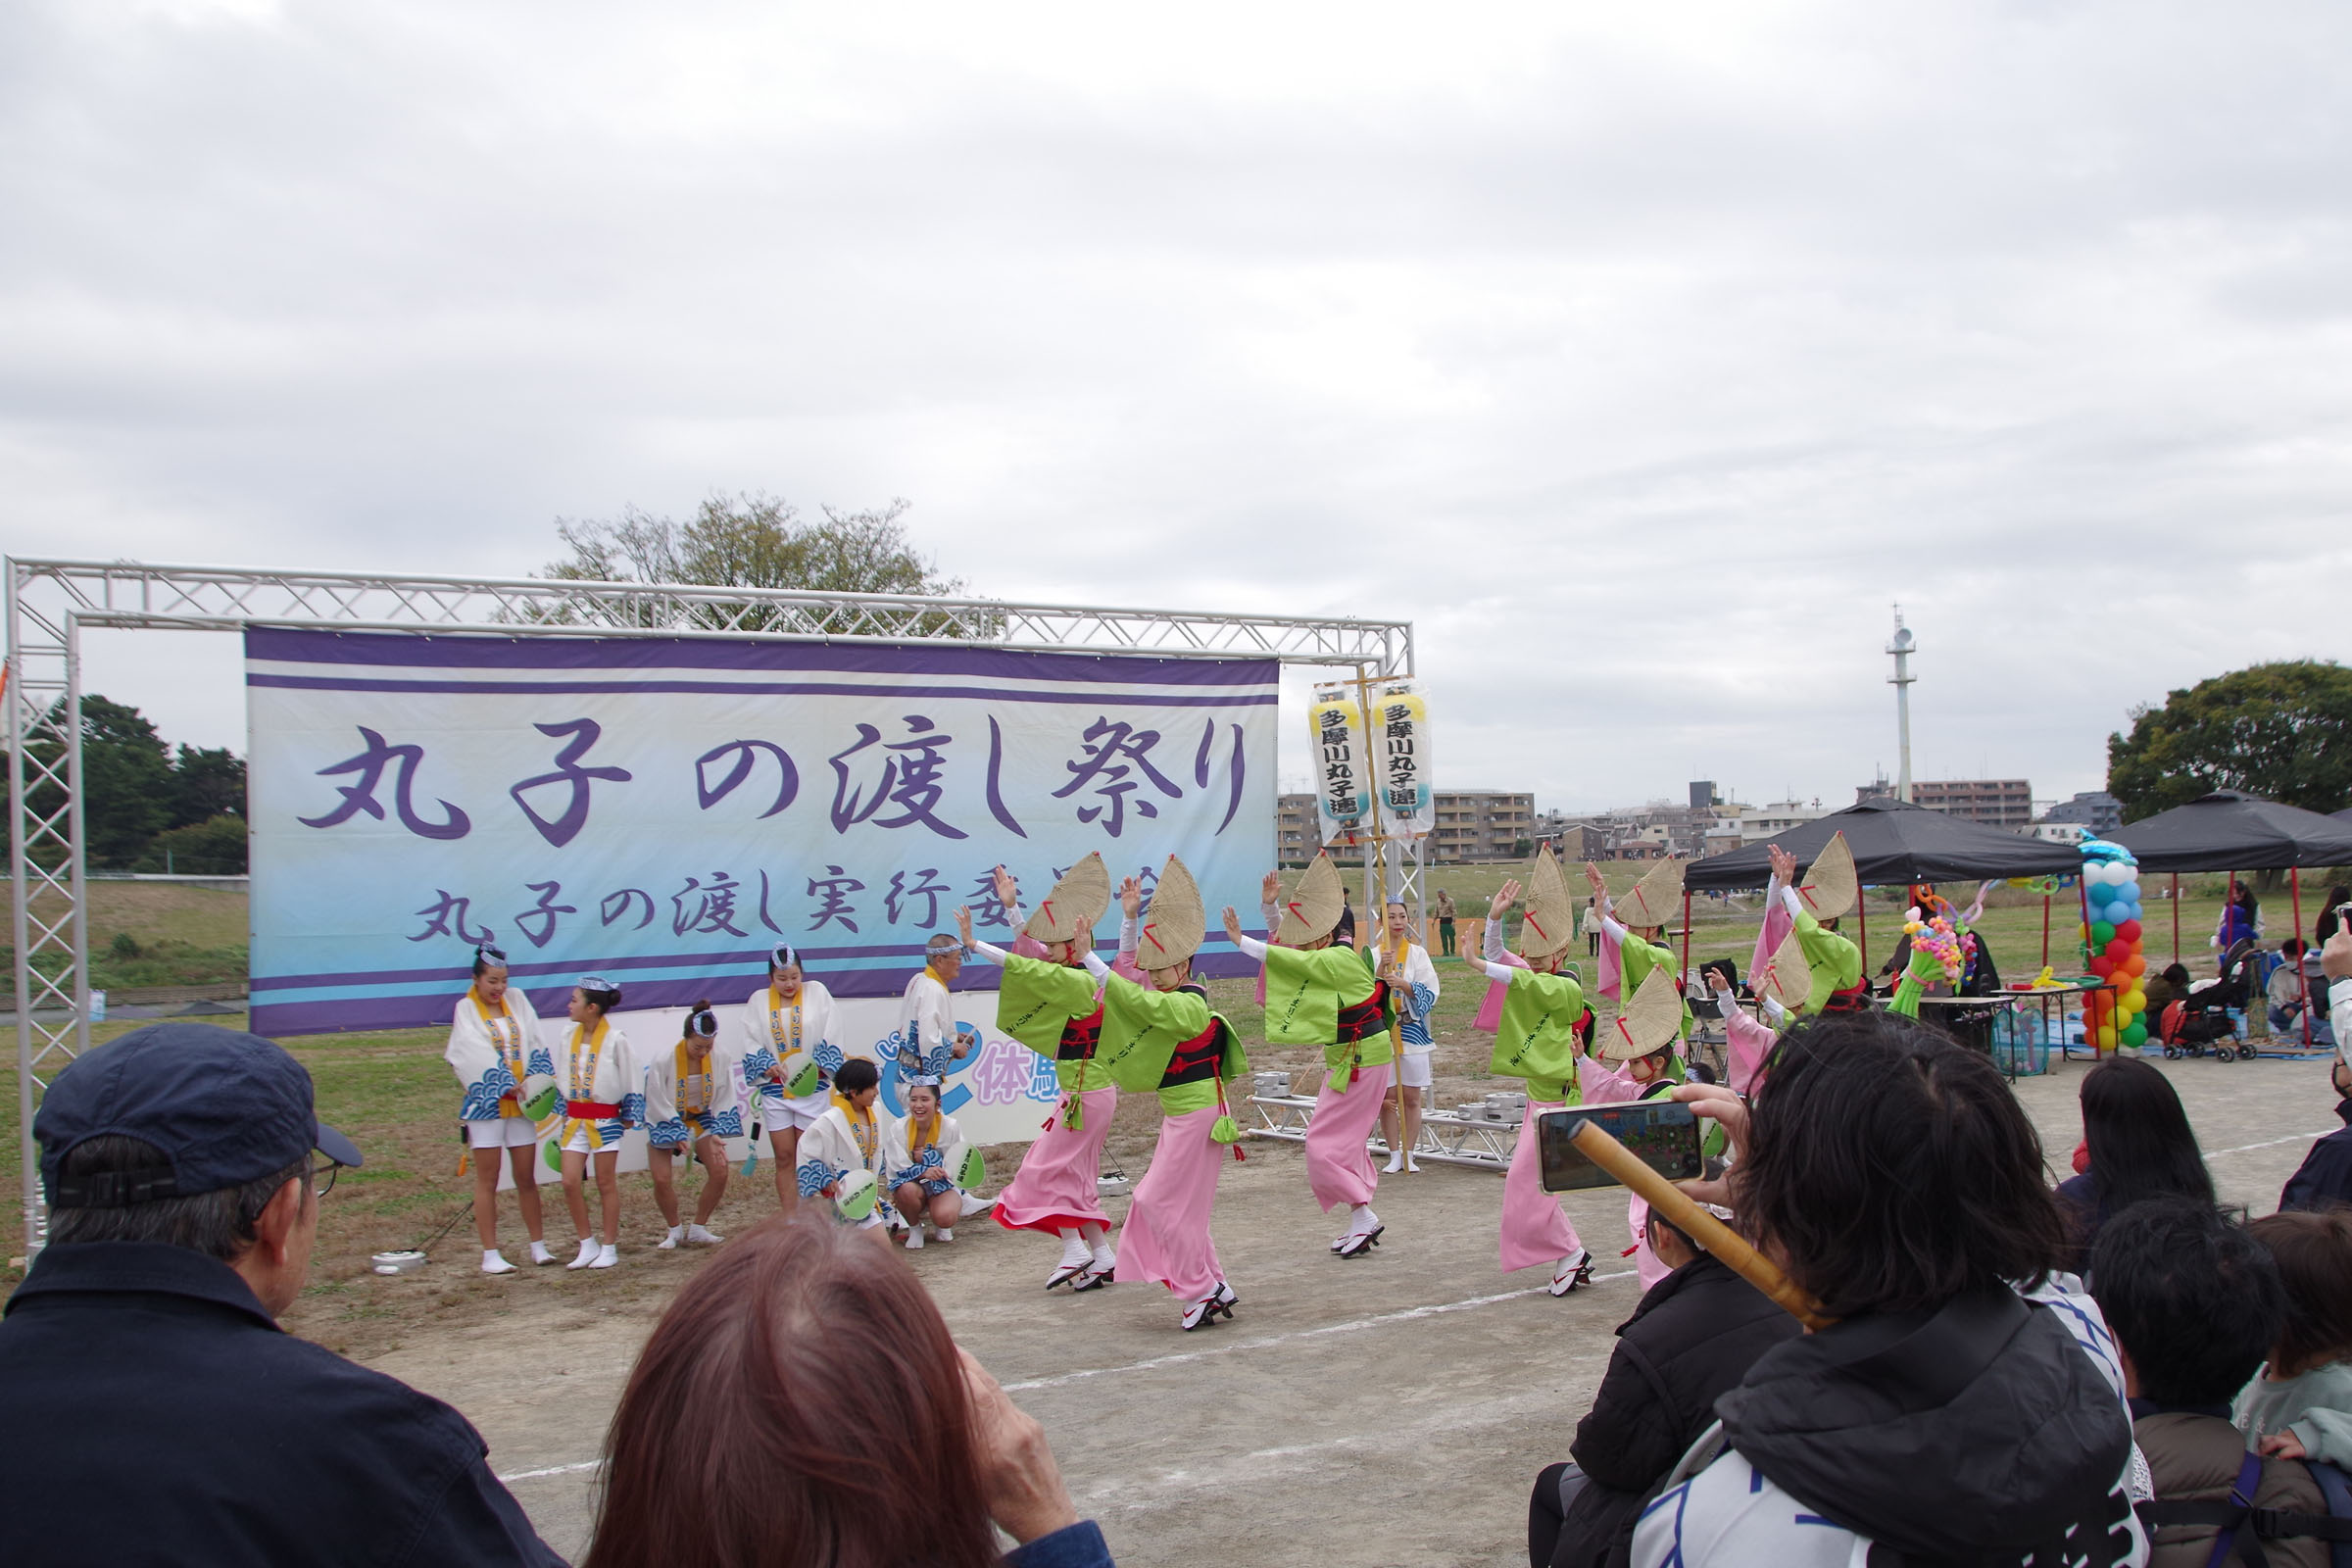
x=1693 y=1335
x=157 y=1414
x=1979 y=1433
x=2325 y=1178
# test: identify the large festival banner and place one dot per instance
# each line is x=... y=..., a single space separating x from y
x=665 y=811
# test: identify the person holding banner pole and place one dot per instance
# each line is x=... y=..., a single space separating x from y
x=789 y=1058
x=1412 y=980
x=1318 y=994
x=1052 y=1006
x=604 y=1098
x=495 y=1047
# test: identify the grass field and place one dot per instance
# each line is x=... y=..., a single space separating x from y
x=391 y=1092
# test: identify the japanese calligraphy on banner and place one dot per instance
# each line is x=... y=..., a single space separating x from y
x=665 y=811
x=1400 y=740
x=1343 y=775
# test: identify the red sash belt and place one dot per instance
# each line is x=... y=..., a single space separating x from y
x=590 y=1111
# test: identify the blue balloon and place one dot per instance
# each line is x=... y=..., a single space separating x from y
x=2128 y=891
x=2133 y=911
x=2100 y=893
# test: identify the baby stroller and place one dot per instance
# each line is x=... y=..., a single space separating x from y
x=2200 y=1021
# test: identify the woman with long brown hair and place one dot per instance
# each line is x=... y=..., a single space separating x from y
x=785 y=1404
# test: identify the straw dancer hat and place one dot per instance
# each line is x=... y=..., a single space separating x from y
x=1655 y=898
x=1076 y=902
x=1647 y=1024
x=1174 y=923
x=1547 y=919
x=1829 y=886
x=1786 y=977
x=1312 y=905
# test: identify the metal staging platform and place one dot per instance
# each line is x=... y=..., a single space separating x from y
x=1445 y=1137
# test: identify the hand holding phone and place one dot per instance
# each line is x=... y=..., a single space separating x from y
x=1661 y=1132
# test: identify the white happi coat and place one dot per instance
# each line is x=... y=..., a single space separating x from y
x=764 y=1039
x=721 y=1105
x=947 y=1145
x=828 y=1150
x=1416 y=998
x=486 y=1073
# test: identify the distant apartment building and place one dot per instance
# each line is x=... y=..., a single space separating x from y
x=1472 y=825
x=2002 y=803
x=2095 y=810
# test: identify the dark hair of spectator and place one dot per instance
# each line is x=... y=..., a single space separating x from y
x=2177 y=975
x=1894 y=1168
x=218 y=1224
x=2242 y=894
x=2314 y=1254
x=794 y=1390
x=2193 y=1297
x=606 y=1001
x=2138 y=1136
x=1674 y=1229
x=855 y=1075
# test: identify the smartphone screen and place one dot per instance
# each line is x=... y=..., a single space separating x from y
x=1662 y=1134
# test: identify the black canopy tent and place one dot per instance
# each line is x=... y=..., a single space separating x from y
x=1894 y=841
x=2229 y=830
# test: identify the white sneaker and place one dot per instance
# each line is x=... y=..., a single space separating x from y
x=606 y=1258
x=494 y=1263
x=702 y=1237
x=670 y=1242
x=947 y=1233
x=914 y=1237
x=588 y=1252
x=540 y=1254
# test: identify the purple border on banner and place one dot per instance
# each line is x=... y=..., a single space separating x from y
x=278 y=1021
x=511 y=688
x=588 y=651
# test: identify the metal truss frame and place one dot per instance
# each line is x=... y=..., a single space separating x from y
x=49 y=602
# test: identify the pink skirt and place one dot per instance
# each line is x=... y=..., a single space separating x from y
x=1535 y=1228
x=1338 y=1168
x=1166 y=1235
x=1055 y=1189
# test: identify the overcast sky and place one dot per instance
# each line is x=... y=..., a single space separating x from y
x=1641 y=355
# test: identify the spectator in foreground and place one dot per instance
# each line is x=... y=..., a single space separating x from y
x=2140 y=1146
x=2325 y=1178
x=802 y=1405
x=1946 y=1416
x=156 y=1411
x=1693 y=1337
x=2301 y=1405
x=2194 y=1304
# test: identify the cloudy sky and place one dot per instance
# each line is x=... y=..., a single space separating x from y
x=1641 y=355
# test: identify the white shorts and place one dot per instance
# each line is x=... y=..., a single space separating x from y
x=578 y=1144
x=781 y=1114
x=505 y=1132
x=1413 y=1071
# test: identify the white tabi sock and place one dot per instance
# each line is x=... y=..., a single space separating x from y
x=540 y=1254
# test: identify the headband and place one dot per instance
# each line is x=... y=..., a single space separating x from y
x=484 y=953
x=786 y=957
x=702 y=1022
x=942 y=943
x=595 y=982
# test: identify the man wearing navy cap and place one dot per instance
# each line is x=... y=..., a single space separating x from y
x=156 y=1412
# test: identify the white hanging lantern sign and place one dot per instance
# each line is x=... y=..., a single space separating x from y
x=1343 y=781
x=1399 y=738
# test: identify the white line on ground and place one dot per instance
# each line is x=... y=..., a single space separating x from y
x=2272 y=1142
x=1407 y=1315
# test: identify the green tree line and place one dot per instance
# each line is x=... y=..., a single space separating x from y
x=147 y=806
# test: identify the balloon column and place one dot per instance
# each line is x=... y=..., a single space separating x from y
x=2111 y=942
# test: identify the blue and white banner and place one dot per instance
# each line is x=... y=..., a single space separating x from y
x=665 y=811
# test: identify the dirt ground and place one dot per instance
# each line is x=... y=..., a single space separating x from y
x=1396 y=1407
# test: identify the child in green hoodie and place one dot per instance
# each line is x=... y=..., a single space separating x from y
x=2299 y=1406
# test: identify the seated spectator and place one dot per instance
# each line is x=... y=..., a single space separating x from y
x=1944 y=1416
x=2300 y=1407
x=800 y=1405
x=2140 y=1144
x=2335 y=963
x=2194 y=1303
x=1693 y=1337
x=2284 y=990
x=2163 y=990
x=2325 y=1178
x=156 y=1411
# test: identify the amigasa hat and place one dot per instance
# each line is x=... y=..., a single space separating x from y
x=1076 y=902
x=1786 y=977
x=1653 y=898
x=1829 y=886
x=1312 y=905
x=1649 y=1022
x=1175 y=923
x=1547 y=919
